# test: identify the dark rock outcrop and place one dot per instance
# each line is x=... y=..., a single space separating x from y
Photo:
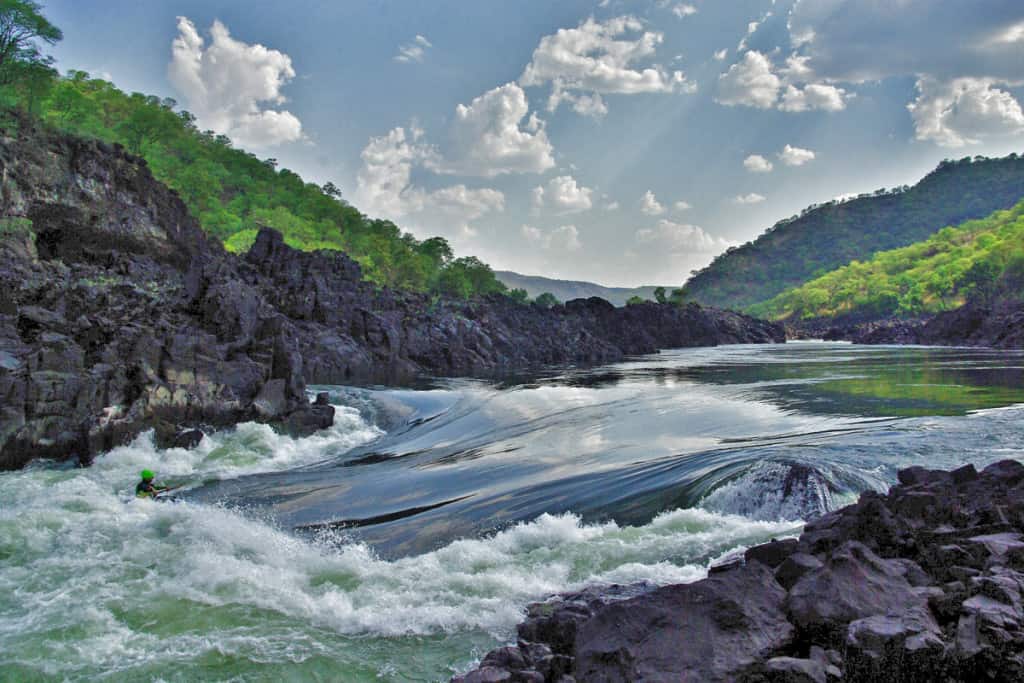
x=996 y=325
x=117 y=315
x=925 y=583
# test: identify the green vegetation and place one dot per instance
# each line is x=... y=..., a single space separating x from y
x=827 y=236
x=15 y=226
x=231 y=192
x=978 y=260
x=546 y=300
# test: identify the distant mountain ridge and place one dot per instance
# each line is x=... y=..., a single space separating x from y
x=565 y=290
x=824 y=237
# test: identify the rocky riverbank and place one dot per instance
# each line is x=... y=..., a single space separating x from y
x=997 y=325
x=118 y=314
x=922 y=584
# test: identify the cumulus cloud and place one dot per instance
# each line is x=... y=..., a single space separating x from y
x=755 y=81
x=679 y=237
x=493 y=135
x=749 y=82
x=755 y=163
x=384 y=188
x=795 y=156
x=590 y=105
x=752 y=198
x=600 y=58
x=813 y=96
x=681 y=206
x=229 y=85
x=720 y=55
x=562 y=238
x=650 y=205
x=682 y=10
x=964 y=111
x=564 y=195
x=413 y=51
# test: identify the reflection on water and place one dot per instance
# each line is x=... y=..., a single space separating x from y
x=626 y=442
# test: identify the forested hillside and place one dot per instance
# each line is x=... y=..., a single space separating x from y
x=232 y=192
x=566 y=290
x=977 y=260
x=830 y=235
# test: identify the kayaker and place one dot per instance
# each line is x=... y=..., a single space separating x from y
x=146 y=488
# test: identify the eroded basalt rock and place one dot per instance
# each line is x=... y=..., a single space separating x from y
x=924 y=583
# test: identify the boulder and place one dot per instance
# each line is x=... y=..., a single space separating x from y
x=727 y=622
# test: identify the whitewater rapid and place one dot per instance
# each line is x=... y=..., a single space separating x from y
x=95 y=581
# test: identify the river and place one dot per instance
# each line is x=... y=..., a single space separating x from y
x=406 y=541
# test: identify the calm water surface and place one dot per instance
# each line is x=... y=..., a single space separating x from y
x=407 y=540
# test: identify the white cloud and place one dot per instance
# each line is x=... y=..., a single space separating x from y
x=384 y=188
x=683 y=10
x=650 y=205
x=414 y=51
x=564 y=195
x=679 y=237
x=721 y=55
x=795 y=156
x=813 y=96
x=755 y=163
x=611 y=206
x=590 y=105
x=681 y=206
x=1010 y=34
x=752 y=198
x=964 y=111
x=749 y=82
x=600 y=58
x=229 y=83
x=755 y=82
x=492 y=135
x=562 y=238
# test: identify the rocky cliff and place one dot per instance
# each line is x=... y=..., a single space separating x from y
x=999 y=324
x=117 y=315
x=922 y=584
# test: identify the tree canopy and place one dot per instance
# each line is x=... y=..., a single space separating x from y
x=976 y=260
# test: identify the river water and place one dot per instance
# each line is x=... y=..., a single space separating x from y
x=406 y=541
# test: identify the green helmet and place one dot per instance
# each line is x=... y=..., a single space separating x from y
x=147 y=475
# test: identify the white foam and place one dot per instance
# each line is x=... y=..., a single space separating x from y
x=250 y=448
x=77 y=557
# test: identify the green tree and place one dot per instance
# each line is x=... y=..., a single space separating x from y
x=22 y=28
x=634 y=300
x=659 y=295
x=519 y=295
x=546 y=300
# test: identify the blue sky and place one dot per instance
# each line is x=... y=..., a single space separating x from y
x=621 y=142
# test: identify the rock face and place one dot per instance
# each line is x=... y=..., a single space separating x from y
x=997 y=325
x=117 y=315
x=922 y=584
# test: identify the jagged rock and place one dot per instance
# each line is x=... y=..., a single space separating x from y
x=727 y=622
x=938 y=596
x=772 y=554
x=794 y=567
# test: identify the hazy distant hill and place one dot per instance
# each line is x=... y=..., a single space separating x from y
x=564 y=290
x=827 y=236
